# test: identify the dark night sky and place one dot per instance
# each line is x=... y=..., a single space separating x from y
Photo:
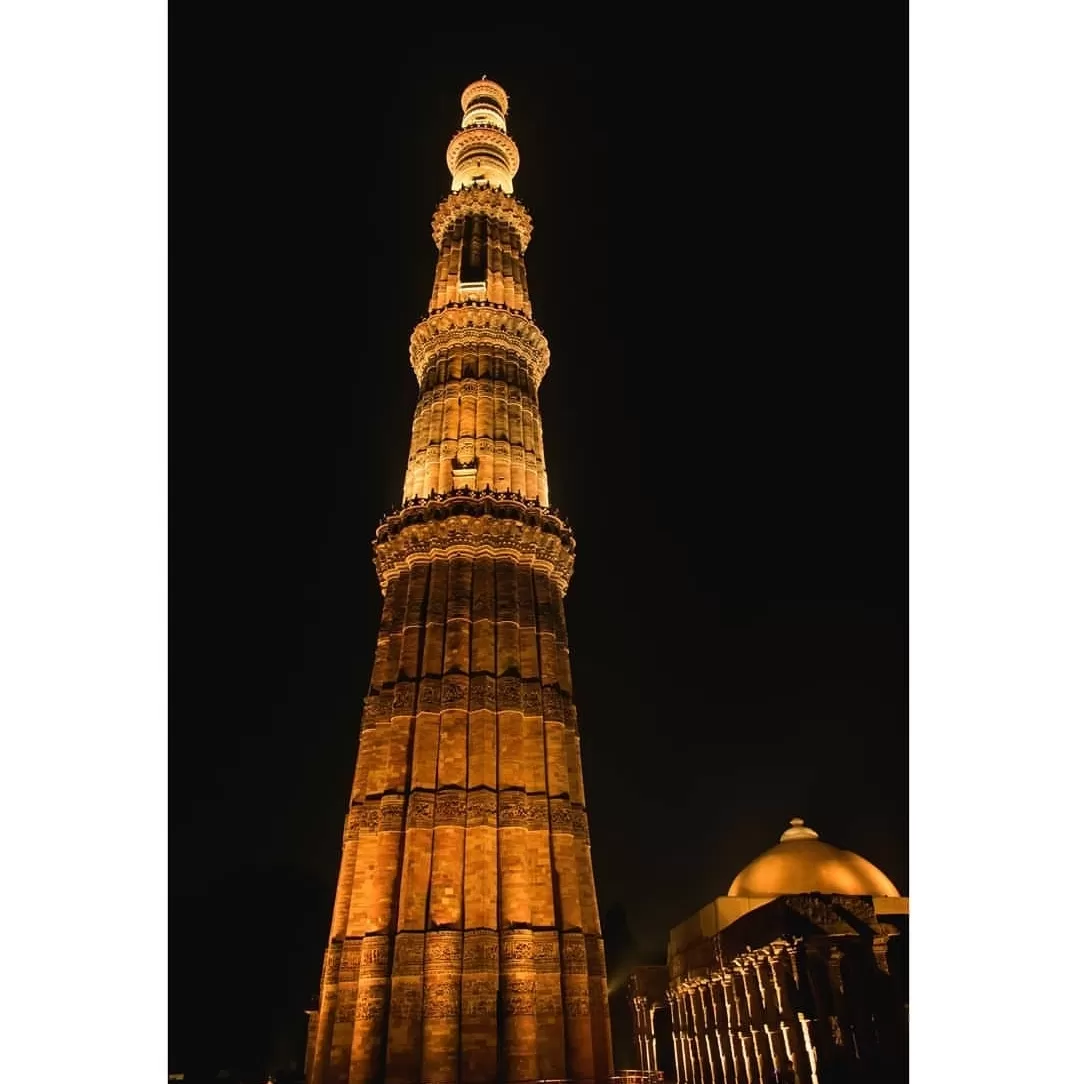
x=719 y=264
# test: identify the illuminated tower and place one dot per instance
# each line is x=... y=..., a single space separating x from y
x=465 y=940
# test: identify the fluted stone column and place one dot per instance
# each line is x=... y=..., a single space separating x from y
x=693 y=1047
x=639 y=1036
x=826 y=1027
x=676 y=1041
x=772 y=1047
x=702 y=1030
x=721 y=1030
x=888 y=1010
x=739 y=1028
x=784 y=1023
x=697 y=1052
x=465 y=943
x=678 y=1034
x=799 y=1007
x=641 y=1033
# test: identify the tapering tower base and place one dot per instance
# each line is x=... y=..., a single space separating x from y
x=466 y=941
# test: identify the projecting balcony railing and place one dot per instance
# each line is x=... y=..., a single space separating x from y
x=503 y=131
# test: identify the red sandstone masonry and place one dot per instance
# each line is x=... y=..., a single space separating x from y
x=465 y=941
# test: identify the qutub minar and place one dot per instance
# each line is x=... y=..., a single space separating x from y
x=465 y=940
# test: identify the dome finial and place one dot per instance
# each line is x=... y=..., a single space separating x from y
x=798 y=830
x=802 y=863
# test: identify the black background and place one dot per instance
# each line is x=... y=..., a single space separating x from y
x=719 y=264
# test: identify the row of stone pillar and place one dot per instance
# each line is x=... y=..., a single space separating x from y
x=505 y=281
x=491 y=420
x=794 y=1013
x=743 y=1024
x=644 y=1013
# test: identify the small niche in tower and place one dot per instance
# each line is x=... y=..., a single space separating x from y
x=473 y=276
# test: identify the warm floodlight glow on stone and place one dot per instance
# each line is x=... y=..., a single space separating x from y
x=788 y=977
x=465 y=940
x=482 y=153
x=801 y=862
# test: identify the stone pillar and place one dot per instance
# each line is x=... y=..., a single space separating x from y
x=680 y=1038
x=704 y=1030
x=721 y=1029
x=798 y=1009
x=789 y=1042
x=696 y=1054
x=654 y=1054
x=693 y=1048
x=751 y=1000
x=775 y=1055
x=740 y=1027
x=825 y=1028
x=635 y=1026
x=681 y=1074
x=888 y=1009
x=648 y=1038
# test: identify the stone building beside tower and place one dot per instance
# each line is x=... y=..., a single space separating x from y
x=797 y=976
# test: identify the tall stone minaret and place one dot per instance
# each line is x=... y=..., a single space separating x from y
x=465 y=941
